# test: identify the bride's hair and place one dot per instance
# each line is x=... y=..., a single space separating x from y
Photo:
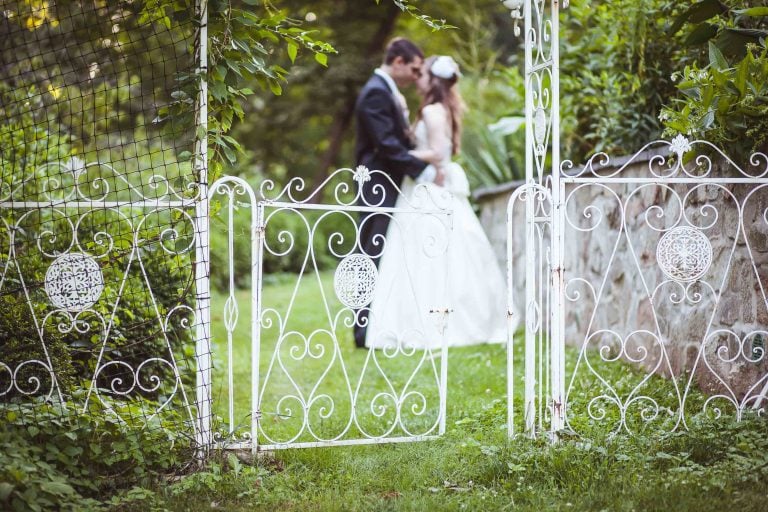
x=444 y=90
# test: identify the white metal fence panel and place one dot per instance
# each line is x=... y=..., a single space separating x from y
x=102 y=279
x=674 y=285
x=649 y=273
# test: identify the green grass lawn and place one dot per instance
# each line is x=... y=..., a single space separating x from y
x=716 y=465
x=479 y=374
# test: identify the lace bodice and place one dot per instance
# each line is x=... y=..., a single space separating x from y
x=443 y=139
x=455 y=179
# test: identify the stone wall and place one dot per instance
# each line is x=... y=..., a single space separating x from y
x=713 y=328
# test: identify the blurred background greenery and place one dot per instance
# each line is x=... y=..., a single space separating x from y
x=284 y=75
x=620 y=66
x=624 y=65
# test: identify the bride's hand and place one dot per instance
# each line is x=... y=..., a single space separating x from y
x=439 y=176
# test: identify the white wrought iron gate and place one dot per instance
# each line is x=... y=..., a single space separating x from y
x=307 y=385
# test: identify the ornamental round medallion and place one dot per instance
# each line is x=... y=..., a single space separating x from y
x=684 y=253
x=74 y=282
x=355 y=280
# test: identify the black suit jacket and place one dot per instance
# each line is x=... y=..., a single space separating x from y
x=382 y=141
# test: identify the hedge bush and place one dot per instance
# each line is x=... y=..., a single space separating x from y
x=58 y=457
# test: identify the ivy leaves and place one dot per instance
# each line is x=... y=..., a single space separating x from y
x=245 y=49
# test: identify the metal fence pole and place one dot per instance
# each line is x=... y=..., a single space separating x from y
x=557 y=340
x=529 y=408
x=202 y=247
x=258 y=235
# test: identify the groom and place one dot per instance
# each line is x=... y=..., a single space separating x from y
x=382 y=143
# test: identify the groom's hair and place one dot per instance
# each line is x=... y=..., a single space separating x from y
x=402 y=47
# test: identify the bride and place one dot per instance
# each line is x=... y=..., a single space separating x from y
x=462 y=274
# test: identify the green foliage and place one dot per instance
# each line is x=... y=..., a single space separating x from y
x=724 y=99
x=493 y=156
x=20 y=343
x=616 y=69
x=26 y=143
x=726 y=105
x=408 y=7
x=56 y=456
x=246 y=45
x=620 y=62
x=731 y=25
x=29 y=482
x=493 y=141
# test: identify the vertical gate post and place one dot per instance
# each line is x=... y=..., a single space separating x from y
x=529 y=409
x=557 y=339
x=257 y=257
x=545 y=381
x=202 y=245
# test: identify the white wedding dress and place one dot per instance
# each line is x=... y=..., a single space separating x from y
x=429 y=266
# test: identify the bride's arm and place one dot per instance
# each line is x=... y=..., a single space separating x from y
x=439 y=145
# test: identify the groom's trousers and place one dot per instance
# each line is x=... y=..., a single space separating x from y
x=373 y=232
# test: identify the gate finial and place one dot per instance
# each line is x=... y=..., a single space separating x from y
x=517 y=15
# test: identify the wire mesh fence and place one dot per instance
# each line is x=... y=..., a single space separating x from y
x=99 y=213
